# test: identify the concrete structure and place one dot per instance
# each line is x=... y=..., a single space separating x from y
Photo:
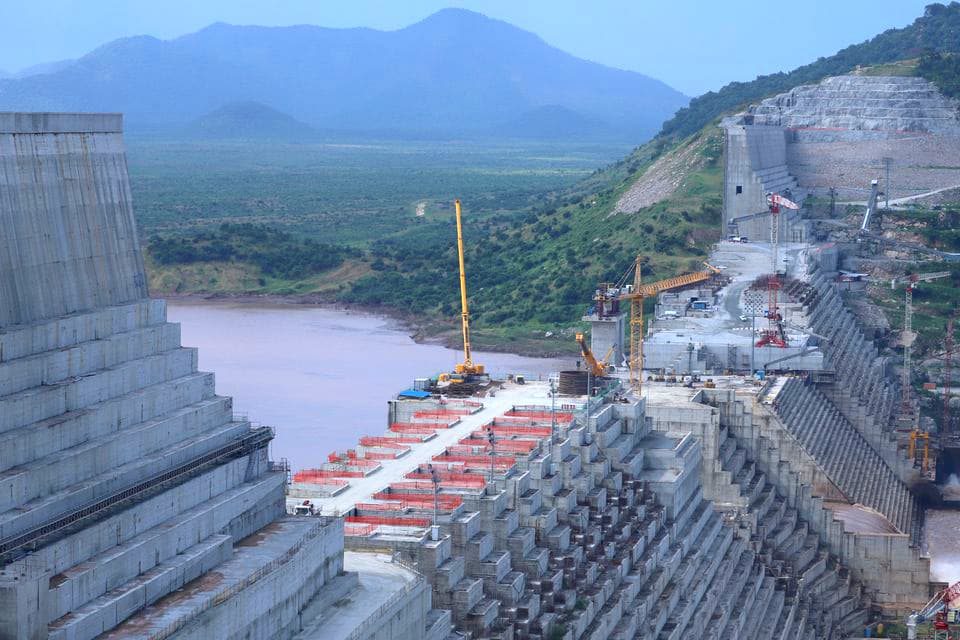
x=585 y=523
x=607 y=335
x=837 y=134
x=133 y=502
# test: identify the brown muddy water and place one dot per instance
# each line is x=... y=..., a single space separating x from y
x=321 y=377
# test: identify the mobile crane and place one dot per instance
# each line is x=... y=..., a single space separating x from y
x=597 y=367
x=468 y=367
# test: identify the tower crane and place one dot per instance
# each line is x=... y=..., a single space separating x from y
x=468 y=367
x=774 y=335
x=597 y=367
x=635 y=293
x=908 y=336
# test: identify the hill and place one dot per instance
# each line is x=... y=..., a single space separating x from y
x=456 y=71
x=938 y=30
x=249 y=121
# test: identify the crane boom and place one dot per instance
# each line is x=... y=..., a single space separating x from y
x=636 y=296
x=597 y=367
x=467 y=367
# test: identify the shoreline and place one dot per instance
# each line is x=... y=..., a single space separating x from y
x=420 y=331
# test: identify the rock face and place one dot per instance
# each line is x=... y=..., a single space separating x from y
x=840 y=134
x=882 y=104
x=123 y=476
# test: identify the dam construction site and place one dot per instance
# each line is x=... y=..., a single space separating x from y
x=739 y=452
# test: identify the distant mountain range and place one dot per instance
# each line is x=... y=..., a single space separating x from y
x=456 y=72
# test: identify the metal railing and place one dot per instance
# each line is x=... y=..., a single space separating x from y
x=17 y=545
x=391 y=602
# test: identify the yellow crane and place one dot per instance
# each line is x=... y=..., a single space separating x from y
x=597 y=367
x=467 y=367
x=636 y=295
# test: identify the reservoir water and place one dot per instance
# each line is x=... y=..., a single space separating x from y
x=321 y=377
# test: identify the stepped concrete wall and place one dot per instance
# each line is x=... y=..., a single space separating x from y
x=131 y=497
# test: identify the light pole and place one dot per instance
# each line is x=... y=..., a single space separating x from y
x=435 y=478
x=493 y=452
x=553 y=411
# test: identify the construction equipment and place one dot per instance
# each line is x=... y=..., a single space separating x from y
x=774 y=334
x=920 y=456
x=907 y=335
x=467 y=367
x=597 y=367
x=935 y=610
x=609 y=295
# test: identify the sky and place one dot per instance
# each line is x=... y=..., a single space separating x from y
x=692 y=45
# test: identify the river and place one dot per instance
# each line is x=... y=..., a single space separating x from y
x=321 y=377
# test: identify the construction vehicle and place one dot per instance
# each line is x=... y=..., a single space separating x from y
x=597 y=368
x=935 y=610
x=608 y=296
x=468 y=367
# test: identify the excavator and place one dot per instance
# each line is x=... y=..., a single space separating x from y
x=596 y=367
x=935 y=610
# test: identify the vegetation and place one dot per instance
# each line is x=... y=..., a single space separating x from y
x=937 y=31
x=276 y=253
x=943 y=69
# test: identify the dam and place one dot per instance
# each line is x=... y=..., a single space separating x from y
x=707 y=501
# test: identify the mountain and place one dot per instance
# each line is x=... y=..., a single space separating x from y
x=42 y=68
x=248 y=120
x=456 y=71
x=938 y=30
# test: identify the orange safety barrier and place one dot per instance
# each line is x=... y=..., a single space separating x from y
x=414 y=438
x=307 y=474
x=518 y=430
x=500 y=445
x=441 y=413
x=450 y=476
x=353 y=461
x=359 y=530
x=542 y=415
x=498 y=461
x=399 y=427
x=393 y=522
x=379 y=455
x=444 y=500
x=378 y=441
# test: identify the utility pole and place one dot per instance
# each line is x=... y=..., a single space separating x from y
x=887 y=161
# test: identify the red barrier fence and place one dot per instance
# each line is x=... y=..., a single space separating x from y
x=498 y=461
x=410 y=427
x=311 y=475
x=386 y=443
x=393 y=522
x=359 y=530
x=539 y=415
x=516 y=430
x=418 y=500
x=441 y=413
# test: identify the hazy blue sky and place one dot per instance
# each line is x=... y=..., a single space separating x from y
x=694 y=45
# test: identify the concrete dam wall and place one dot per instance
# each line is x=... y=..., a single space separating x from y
x=133 y=502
